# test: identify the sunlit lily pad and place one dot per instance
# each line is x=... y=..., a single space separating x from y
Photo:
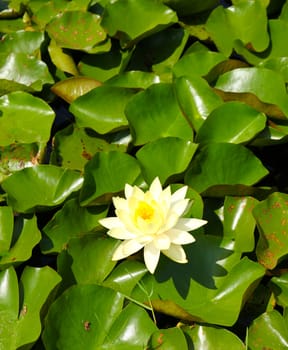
x=71 y=221
x=155 y=113
x=233 y=122
x=72 y=88
x=99 y=322
x=245 y=21
x=272 y=219
x=93 y=111
x=22 y=41
x=106 y=175
x=133 y=19
x=18 y=156
x=206 y=295
x=156 y=152
x=40 y=186
x=265 y=84
x=21 y=304
x=26 y=72
x=76 y=30
x=74 y=147
x=22 y=235
x=24 y=119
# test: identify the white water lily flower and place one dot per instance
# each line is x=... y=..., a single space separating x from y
x=151 y=220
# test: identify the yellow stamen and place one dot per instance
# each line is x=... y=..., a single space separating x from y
x=144 y=210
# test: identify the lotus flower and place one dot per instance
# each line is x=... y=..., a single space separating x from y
x=152 y=220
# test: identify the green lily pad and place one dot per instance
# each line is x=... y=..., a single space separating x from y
x=278 y=64
x=159 y=52
x=159 y=151
x=19 y=71
x=74 y=147
x=20 y=305
x=201 y=61
x=40 y=186
x=272 y=218
x=134 y=80
x=20 y=236
x=277 y=48
x=69 y=222
x=76 y=30
x=91 y=257
x=92 y=110
x=233 y=122
x=22 y=41
x=105 y=65
x=61 y=59
x=224 y=164
x=213 y=294
x=172 y=338
x=18 y=156
x=78 y=319
x=244 y=21
x=134 y=19
x=269 y=330
x=11 y=25
x=196 y=99
x=239 y=222
x=125 y=276
x=266 y=84
x=6 y=228
x=24 y=119
x=155 y=113
x=213 y=338
x=279 y=286
x=106 y=175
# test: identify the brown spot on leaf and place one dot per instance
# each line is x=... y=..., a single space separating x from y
x=231 y=207
x=87 y=326
x=23 y=312
x=160 y=338
x=276 y=205
x=86 y=155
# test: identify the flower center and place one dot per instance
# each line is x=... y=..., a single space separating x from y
x=145 y=211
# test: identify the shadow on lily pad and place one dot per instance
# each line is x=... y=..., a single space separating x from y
x=202 y=265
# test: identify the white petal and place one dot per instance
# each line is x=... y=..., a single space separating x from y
x=126 y=248
x=120 y=233
x=156 y=188
x=179 y=194
x=128 y=190
x=162 y=242
x=187 y=224
x=180 y=206
x=151 y=257
x=126 y=220
x=110 y=223
x=171 y=221
x=120 y=203
x=166 y=195
x=180 y=237
x=137 y=193
x=176 y=253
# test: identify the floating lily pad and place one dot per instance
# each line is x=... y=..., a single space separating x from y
x=24 y=119
x=272 y=219
x=135 y=19
x=40 y=186
x=78 y=318
x=76 y=30
x=224 y=164
x=20 y=323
